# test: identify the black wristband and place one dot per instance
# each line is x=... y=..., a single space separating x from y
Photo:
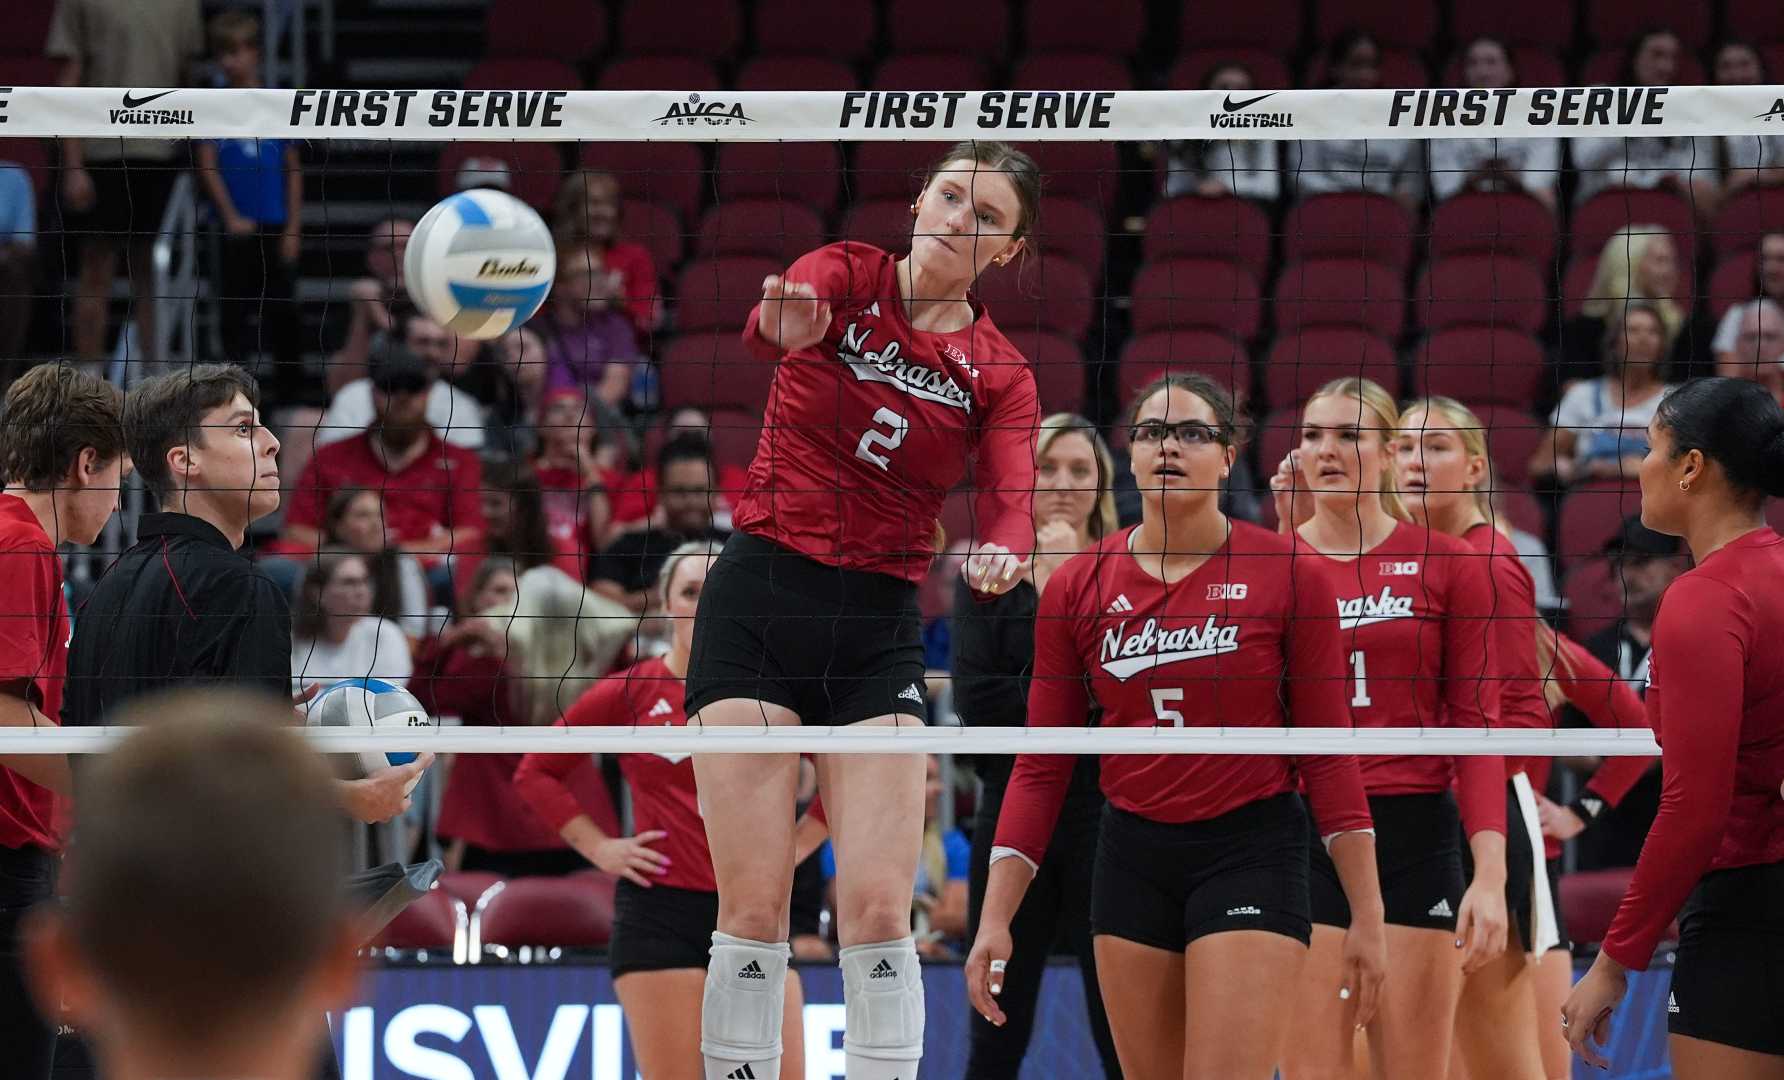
x=1588 y=808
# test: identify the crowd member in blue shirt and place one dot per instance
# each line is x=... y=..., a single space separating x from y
x=256 y=186
x=18 y=266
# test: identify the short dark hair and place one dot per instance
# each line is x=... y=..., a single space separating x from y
x=165 y=411
x=994 y=156
x=687 y=446
x=1209 y=389
x=308 y=619
x=1735 y=423
x=52 y=413
x=205 y=883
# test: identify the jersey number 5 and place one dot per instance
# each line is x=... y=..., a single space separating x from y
x=873 y=437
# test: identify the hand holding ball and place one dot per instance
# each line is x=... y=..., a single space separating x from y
x=366 y=703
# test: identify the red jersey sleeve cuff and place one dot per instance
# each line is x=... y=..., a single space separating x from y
x=758 y=346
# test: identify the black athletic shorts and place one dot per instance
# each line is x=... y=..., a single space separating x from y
x=835 y=646
x=1165 y=885
x=1520 y=868
x=1418 y=856
x=129 y=199
x=1728 y=981
x=660 y=928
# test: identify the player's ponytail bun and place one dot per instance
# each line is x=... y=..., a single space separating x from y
x=1733 y=422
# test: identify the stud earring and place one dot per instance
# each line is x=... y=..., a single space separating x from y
x=1684 y=485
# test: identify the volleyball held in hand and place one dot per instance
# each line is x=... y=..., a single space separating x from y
x=369 y=703
x=480 y=262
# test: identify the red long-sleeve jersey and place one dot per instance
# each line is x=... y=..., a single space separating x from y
x=868 y=430
x=1250 y=639
x=663 y=796
x=1414 y=613
x=1721 y=732
x=1608 y=702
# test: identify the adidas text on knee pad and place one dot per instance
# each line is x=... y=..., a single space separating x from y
x=882 y=989
x=740 y=1016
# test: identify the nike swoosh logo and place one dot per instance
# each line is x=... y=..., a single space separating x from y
x=138 y=102
x=1234 y=106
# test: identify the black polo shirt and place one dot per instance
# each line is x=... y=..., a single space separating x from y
x=180 y=608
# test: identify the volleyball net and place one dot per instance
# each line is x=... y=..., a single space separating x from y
x=1476 y=244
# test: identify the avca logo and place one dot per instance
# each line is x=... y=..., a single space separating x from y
x=134 y=114
x=695 y=111
x=1233 y=114
x=1776 y=112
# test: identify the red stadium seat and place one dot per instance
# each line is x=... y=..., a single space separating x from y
x=1349 y=225
x=1513 y=434
x=717 y=294
x=1058 y=365
x=534 y=169
x=1147 y=356
x=1521 y=509
x=1341 y=292
x=1275 y=435
x=32 y=155
x=1481 y=364
x=1589 y=901
x=1406 y=24
x=657 y=228
x=714 y=370
x=932 y=71
x=519 y=74
x=798 y=27
x=1755 y=20
x=1071 y=71
x=1545 y=23
x=781 y=229
x=981 y=29
x=671 y=174
x=808 y=171
x=1401 y=69
x=468 y=886
x=1594 y=596
x=1615 y=22
x=1746 y=217
x=1072 y=229
x=1191 y=71
x=1047 y=293
x=1275 y=25
x=1192 y=226
x=884 y=223
x=715 y=34
x=1299 y=364
x=1605 y=68
x=435 y=921
x=1606 y=212
x=573 y=912
x=1114 y=28
x=892 y=170
x=1591 y=514
x=1083 y=170
x=567 y=30
x=28 y=30
x=1732 y=283
x=1204 y=294
x=1480 y=222
x=1481 y=290
x=785 y=72
x=656 y=72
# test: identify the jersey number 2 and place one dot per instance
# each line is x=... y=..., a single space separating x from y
x=873 y=437
x=1359 y=697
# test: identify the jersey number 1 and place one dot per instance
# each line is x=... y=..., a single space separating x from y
x=1359 y=697
x=873 y=437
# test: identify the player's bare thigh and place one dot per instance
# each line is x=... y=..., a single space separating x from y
x=747 y=803
x=874 y=803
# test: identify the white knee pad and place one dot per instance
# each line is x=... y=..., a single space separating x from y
x=740 y=1016
x=882 y=990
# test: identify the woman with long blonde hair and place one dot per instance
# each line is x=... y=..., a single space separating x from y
x=1638 y=264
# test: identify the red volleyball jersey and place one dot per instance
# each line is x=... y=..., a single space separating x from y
x=1721 y=732
x=1415 y=614
x=1250 y=639
x=868 y=430
x=663 y=796
x=1516 y=666
x=34 y=636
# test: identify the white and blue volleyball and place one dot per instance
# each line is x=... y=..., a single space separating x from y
x=369 y=703
x=480 y=262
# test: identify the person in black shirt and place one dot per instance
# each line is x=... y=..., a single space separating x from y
x=625 y=569
x=993 y=638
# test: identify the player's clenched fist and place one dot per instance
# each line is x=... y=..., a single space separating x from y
x=792 y=315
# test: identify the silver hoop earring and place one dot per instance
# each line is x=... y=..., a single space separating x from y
x=1684 y=485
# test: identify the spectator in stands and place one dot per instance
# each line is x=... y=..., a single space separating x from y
x=114 y=190
x=588 y=210
x=355 y=522
x=684 y=512
x=1680 y=164
x=1212 y=168
x=1638 y=263
x=1532 y=166
x=370 y=299
x=334 y=634
x=575 y=479
x=634 y=496
x=938 y=914
x=18 y=267
x=256 y=186
x=1769 y=284
x=589 y=342
x=204 y=931
x=1746 y=159
x=1384 y=166
x=1758 y=352
x=430 y=486
x=561 y=638
x=454 y=414
x=514 y=523
x=1600 y=429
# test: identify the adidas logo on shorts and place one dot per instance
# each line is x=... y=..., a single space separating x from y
x=911 y=693
x=742 y=1072
x=1246 y=910
x=1672 y=1003
x=883 y=970
x=1441 y=909
x=751 y=970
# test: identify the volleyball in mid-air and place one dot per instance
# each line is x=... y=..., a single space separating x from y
x=480 y=262
x=369 y=703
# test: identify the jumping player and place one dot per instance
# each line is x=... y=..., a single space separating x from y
x=1716 y=698
x=1414 y=608
x=889 y=377
x=1200 y=905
